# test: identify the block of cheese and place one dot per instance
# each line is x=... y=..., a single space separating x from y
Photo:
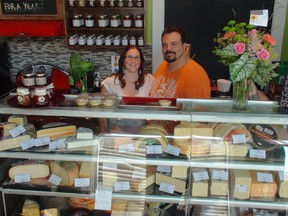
x=141 y=184
x=34 y=168
x=30 y=128
x=238 y=150
x=84 y=133
x=87 y=170
x=180 y=185
x=141 y=143
x=72 y=142
x=282 y=185
x=67 y=170
x=108 y=178
x=12 y=143
x=262 y=189
x=199 y=188
x=218 y=182
x=179 y=172
x=30 y=208
x=197 y=129
x=50 y=212
x=57 y=132
x=18 y=119
x=5 y=127
x=241 y=184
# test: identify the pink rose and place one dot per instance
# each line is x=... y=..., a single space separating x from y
x=253 y=33
x=263 y=54
x=239 y=48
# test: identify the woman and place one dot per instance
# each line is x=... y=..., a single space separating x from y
x=132 y=81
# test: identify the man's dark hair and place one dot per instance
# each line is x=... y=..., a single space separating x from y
x=172 y=29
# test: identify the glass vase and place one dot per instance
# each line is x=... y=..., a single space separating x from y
x=241 y=94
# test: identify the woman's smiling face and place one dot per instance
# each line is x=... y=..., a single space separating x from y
x=132 y=60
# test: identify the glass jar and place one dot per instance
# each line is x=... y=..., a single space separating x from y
x=109 y=40
x=77 y=22
x=71 y=3
x=102 y=3
x=140 y=41
x=100 y=40
x=89 y=21
x=41 y=78
x=116 y=40
x=139 y=21
x=120 y=3
x=112 y=3
x=28 y=78
x=92 y=3
x=23 y=97
x=124 y=40
x=130 y=3
x=103 y=21
x=82 y=3
x=82 y=40
x=41 y=97
x=139 y=3
x=115 y=21
x=132 y=40
x=127 y=21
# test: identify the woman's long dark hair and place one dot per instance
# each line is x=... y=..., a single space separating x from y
x=141 y=70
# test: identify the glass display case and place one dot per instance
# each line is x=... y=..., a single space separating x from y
x=136 y=157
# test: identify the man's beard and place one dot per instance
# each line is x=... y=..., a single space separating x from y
x=170 y=59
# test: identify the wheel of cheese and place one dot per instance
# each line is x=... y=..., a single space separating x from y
x=266 y=136
x=227 y=130
x=67 y=170
x=154 y=129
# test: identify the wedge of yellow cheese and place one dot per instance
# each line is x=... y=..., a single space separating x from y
x=67 y=170
x=199 y=188
x=241 y=184
x=262 y=189
x=50 y=212
x=18 y=119
x=30 y=208
x=57 y=132
x=34 y=169
x=282 y=186
x=12 y=143
x=180 y=185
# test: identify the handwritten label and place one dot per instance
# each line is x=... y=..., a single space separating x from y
x=42 y=141
x=241 y=188
x=200 y=176
x=264 y=177
x=54 y=179
x=126 y=148
x=17 y=131
x=21 y=178
x=220 y=175
x=259 y=18
x=168 y=188
x=121 y=186
x=153 y=149
x=173 y=150
x=26 y=144
x=82 y=182
x=257 y=153
x=29 y=7
x=103 y=198
x=57 y=144
x=165 y=169
x=239 y=138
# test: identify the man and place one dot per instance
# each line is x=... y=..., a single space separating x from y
x=179 y=76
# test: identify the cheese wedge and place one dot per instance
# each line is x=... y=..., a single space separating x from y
x=18 y=119
x=12 y=143
x=262 y=189
x=30 y=208
x=199 y=188
x=33 y=168
x=241 y=184
x=218 y=185
x=87 y=170
x=58 y=132
x=84 y=133
x=5 y=127
x=179 y=172
x=282 y=186
x=80 y=143
x=140 y=184
x=180 y=185
x=50 y=212
x=67 y=170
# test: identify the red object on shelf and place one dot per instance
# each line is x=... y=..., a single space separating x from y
x=32 y=28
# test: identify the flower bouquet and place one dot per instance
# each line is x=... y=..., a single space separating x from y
x=249 y=54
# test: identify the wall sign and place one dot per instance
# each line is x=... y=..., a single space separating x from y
x=29 y=7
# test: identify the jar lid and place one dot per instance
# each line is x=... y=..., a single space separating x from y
x=40 y=91
x=40 y=73
x=28 y=73
x=23 y=91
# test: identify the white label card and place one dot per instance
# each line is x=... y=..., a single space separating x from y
x=82 y=182
x=17 y=131
x=153 y=149
x=26 y=144
x=57 y=144
x=168 y=188
x=121 y=186
x=220 y=175
x=54 y=179
x=241 y=188
x=165 y=169
x=103 y=198
x=126 y=148
x=173 y=150
x=21 y=178
x=257 y=153
x=109 y=166
x=200 y=176
x=264 y=177
x=42 y=141
x=259 y=18
x=239 y=138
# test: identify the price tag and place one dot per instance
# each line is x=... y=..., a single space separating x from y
x=259 y=18
x=200 y=176
x=57 y=144
x=82 y=182
x=103 y=198
x=139 y=173
x=241 y=188
x=17 y=131
x=281 y=176
x=220 y=175
x=42 y=141
x=26 y=144
x=173 y=150
x=239 y=138
x=153 y=149
x=126 y=148
x=54 y=179
x=21 y=178
x=109 y=166
x=257 y=153
x=168 y=188
x=264 y=177
x=121 y=186
x=164 y=169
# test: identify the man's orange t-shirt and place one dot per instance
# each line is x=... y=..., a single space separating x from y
x=189 y=81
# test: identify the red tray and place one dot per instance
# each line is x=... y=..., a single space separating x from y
x=146 y=102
